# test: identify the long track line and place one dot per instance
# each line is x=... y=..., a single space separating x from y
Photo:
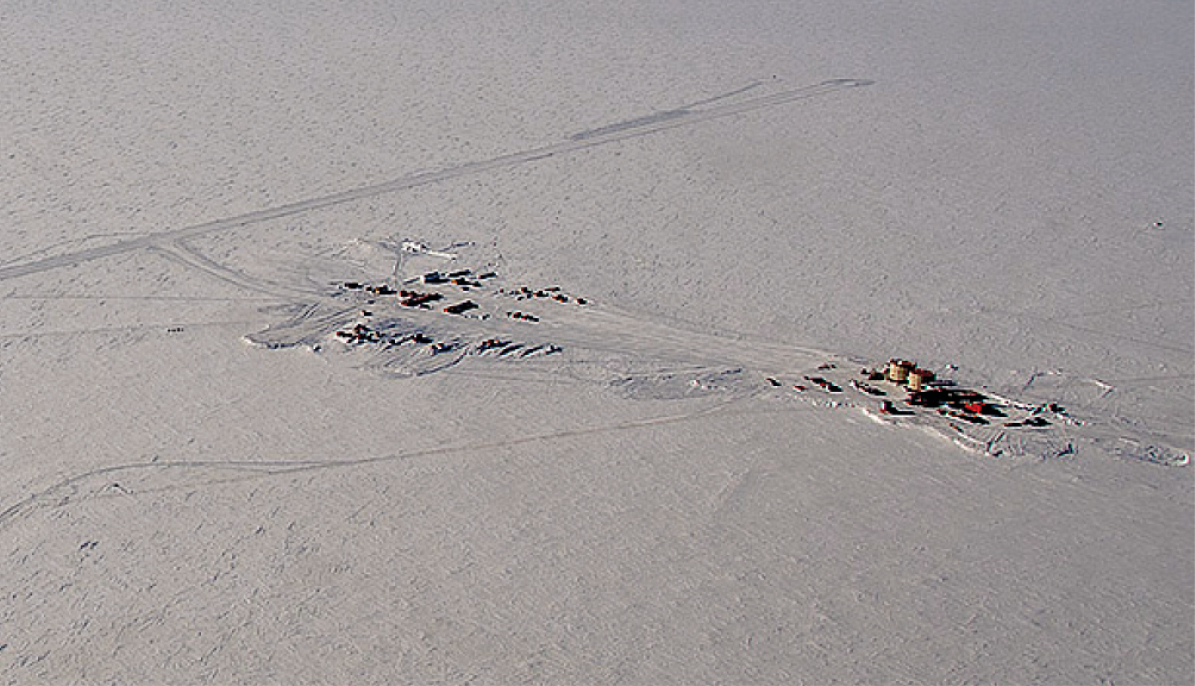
x=633 y=128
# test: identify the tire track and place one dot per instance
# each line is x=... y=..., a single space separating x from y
x=69 y=491
x=598 y=327
x=642 y=126
x=178 y=251
x=130 y=328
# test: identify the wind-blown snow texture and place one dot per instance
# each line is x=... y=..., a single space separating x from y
x=1001 y=191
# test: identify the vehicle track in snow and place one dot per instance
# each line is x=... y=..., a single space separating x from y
x=180 y=252
x=652 y=357
x=141 y=478
x=612 y=133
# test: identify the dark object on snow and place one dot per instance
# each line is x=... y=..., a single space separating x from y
x=937 y=396
x=434 y=277
x=461 y=307
x=420 y=299
x=772 y=381
x=1030 y=421
x=545 y=349
x=871 y=374
x=965 y=416
x=868 y=389
x=487 y=275
x=828 y=385
x=352 y=285
x=886 y=407
x=361 y=334
x=582 y=301
x=523 y=316
x=463 y=272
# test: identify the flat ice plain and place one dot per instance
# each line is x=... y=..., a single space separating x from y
x=203 y=483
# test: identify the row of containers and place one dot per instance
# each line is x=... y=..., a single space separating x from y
x=906 y=373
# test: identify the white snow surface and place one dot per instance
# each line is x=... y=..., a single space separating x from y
x=203 y=482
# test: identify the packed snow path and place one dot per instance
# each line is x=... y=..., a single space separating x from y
x=475 y=321
x=640 y=126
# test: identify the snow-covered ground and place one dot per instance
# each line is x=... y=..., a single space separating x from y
x=205 y=482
